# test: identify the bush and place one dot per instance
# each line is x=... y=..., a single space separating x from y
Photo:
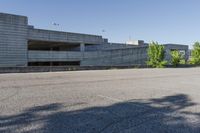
x=176 y=58
x=156 y=55
x=195 y=59
x=183 y=62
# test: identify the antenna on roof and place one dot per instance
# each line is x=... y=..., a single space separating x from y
x=103 y=30
x=55 y=24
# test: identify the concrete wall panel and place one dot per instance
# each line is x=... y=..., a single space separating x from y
x=13 y=40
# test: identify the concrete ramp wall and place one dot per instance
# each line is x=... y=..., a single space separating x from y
x=120 y=57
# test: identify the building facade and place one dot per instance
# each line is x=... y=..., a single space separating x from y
x=22 y=45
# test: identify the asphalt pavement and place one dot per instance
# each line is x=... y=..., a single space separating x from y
x=102 y=101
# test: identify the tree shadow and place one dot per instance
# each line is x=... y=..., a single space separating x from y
x=168 y=114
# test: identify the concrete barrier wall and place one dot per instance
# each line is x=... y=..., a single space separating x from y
x=57 y=36
x=109 y=46
x=74 y=68
x=42 y=56
x=62 y=68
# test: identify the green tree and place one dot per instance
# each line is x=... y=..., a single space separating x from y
x=195 y=59
x=176 y=58
x=156 y=55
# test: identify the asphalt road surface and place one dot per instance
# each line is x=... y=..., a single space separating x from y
x=108 y=101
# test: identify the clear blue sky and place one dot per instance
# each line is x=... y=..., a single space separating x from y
x=165 y=21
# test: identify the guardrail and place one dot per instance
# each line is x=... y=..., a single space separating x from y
x=54 y=56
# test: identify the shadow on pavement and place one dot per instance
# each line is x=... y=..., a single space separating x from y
x=167 y=114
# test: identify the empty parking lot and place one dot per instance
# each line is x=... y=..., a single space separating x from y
x=126 y=101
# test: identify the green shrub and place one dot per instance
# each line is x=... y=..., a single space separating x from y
x=195 y=59
x=156 y=55
x=183 y=62
x=176 y=58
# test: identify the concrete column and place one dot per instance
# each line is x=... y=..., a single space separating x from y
x=167 y=54
x=82 y=47
x=187 y=55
